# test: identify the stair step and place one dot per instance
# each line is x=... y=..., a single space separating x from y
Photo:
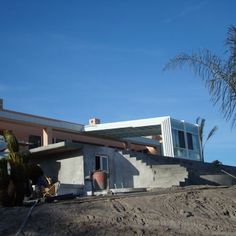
x=172 y=174
x=167 y=166
x=154 y=173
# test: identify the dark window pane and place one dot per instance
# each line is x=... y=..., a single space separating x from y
x=57 y=140
x=190 y=141
x=181 y=139
x=97 y=163
x=34 y=141
x=105 y=163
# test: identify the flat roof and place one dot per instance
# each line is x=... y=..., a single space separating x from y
x=55 y=148
x=39 y=121
x=127 y=129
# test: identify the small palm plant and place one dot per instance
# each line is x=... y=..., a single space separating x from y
x=13 y=173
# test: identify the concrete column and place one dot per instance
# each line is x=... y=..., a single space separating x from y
x=47 y=136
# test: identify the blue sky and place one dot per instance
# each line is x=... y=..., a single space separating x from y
x=74 y=60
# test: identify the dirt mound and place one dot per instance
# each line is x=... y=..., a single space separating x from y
x=175 y=211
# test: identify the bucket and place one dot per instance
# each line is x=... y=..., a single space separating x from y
x=99 y=180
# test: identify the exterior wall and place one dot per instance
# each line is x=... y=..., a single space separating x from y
x=200 y=173
x=21 y=131
x=73 y=167
x=123 y=170
x=120 y=170
x=67 y=168
x=134 y=170
x=167 y=138
x=24 y=125
x=130 y=170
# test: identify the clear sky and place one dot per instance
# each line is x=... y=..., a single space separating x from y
x=74 y=60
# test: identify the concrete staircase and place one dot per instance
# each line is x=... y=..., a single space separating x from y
x=169 y=175
x=153 y=174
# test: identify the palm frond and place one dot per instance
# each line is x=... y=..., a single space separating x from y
x=231 y=44
x=201 y=124
x=12 y=143
x=211 y=133
x=219 y=75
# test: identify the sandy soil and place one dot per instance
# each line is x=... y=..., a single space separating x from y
x=199 y=210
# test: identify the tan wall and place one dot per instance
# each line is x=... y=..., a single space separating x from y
x=22 y=132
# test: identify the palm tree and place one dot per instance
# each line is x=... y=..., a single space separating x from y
x=219 y=74
x=201 y=124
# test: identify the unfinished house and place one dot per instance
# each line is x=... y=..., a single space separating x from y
x=147 y=153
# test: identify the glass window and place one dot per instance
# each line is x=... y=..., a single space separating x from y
x=101 y=163
x=177 y=124
x=190 y=141
x=34 y=141
x=196 y=145
x=181 y=139
x=179 y=152
x=97 y=163
x=194 y=155
x=105 y=163
x=190 y=128
x=178 y=138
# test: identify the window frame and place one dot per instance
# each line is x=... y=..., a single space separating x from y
x=177 y=143
x=101 y=167
x=34 y=145
x=190 y=141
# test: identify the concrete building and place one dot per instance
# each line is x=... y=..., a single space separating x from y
x=157 y=152
x=163 y=135
x=176 y=138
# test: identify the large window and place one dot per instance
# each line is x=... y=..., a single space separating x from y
x=179 y=143
x=185 y=140
x=189 y=149
x=34 y=141
x=190 y=141
x=179 y=140
x=193 y=142
x=101 y=163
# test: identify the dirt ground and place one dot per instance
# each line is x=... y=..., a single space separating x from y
x=199 y=210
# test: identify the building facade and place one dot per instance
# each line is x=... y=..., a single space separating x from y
x=146 y=153
x=162 y=136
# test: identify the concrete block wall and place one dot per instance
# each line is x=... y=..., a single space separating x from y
x=133 y=169
x=68 y=168
x=198 y=172
x=153 y=175
x=144 y=177
x=121 y=170
x=129 y=170
x=169 y=175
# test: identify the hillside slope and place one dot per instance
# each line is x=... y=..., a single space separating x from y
x=199 y=210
